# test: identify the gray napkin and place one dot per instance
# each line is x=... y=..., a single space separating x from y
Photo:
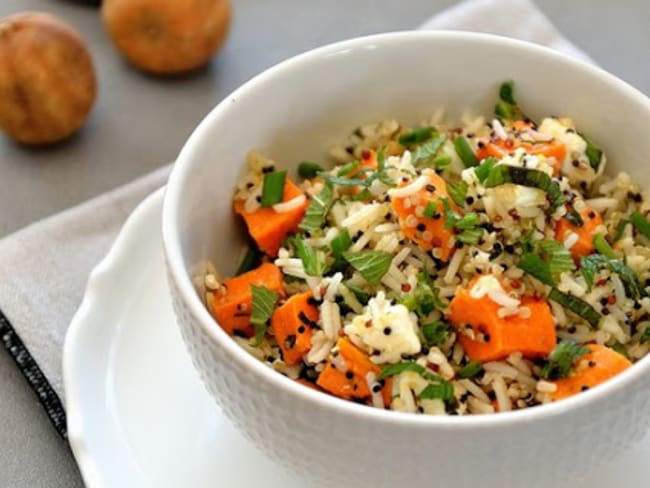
x=44 y=267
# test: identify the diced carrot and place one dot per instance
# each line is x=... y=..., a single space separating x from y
x=232 y=305
x=268 y=227
x=591 y=369
x=500 y=148
x=291 y=325
x=584 y=245
x=427 y=232
x=495 y=337
x=353 y=382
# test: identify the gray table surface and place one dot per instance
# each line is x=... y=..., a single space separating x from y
x=139 y=123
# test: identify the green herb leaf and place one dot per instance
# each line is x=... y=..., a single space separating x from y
x=602 y=246
x=458 y=192
x=536 y=267
x=482 y=171
x=470 y=236
x=641 y=224
x=361 y=295
x=442 y=390
x=561 y=360
x=263 y=304
x=527 y=241
x=423 y=300
x=417 y=136
x=341 y=181
x=507 y=92
x=470 y=370
x=467 y=221
x=436 y=333
x=273 y=188
x=250 y=261
x=533 y=178
x=312 y=260
x=576 y=305
x=431 y=209
x=318 y=208
x=589 y=266
x=440 y=163
x=347 y=170
x=465 y=152
x=574 y=217
x=620 y=228
x=559 y=258
x=341 y=243
x=362 y=196
x=428 y=150
x=645 y=335
x=372 y=265
x=594 y=155
x=307 y=169
x=505 y=110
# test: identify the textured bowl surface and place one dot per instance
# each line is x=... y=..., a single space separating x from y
x=295 y=111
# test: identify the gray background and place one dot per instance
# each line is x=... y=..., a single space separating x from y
x=139 y=123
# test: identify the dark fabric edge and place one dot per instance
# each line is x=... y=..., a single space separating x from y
x=34 y=376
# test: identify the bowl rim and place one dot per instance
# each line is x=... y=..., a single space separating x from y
x=182 y=279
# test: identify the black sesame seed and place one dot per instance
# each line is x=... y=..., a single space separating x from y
x=421 y=227
x=592 y=364
x=570 y=131
x=250 y=185
x=480 y=144
x=459 y=245
x=605 y=311
x=376 y=389
x=430 y=188
x=290 y=341
x=486 y=337
x=436 y=216
x=509 y=248
x=584 y=388
x=349 y=375
x=469 y=200
x=592 y=214
x=258 y=199
x=575 y=163
x=268 y=169
x=301 y=329
x=637 y=306
x=239 y=333
x=572 y=329
x=387 y=330
x=603 y=301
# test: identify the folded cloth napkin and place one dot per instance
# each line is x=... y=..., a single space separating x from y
x=44 y=267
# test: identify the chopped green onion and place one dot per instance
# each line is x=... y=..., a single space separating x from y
x=341 y=181
x=307 y=169
x=533 y=178
x=470 y=370
x=431 y=209
x=507 y=107
x=559 y=258
x=341 y=243
x=250 y=261
x=428 y=150
x=573 y=217
x=576 y=305
x=641 y=224
x=312 y=260
x=441 y=388
x=372 y=265
x=589 y=266
x=465 y=152
x=263 y=304
x=273 y=188
x=594 y=154
x=482 y=171
x=318 y=208
x=436 y=333
x=561 y=359
x=602 y=246
x=467 y=221
x=417 y=136
x=535 y=266
x=362 y=196
x=398 y=368
x=527 y=241
x=458 y=192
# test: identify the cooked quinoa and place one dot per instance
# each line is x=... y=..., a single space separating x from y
x=454 y=269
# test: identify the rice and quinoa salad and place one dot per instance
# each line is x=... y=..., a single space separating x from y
x=456 y=270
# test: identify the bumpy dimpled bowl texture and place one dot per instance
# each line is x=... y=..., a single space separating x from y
x=296 y=110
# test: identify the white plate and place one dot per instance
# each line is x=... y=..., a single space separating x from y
x=138 y=415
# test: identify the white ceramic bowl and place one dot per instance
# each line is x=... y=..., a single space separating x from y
x=295 y=111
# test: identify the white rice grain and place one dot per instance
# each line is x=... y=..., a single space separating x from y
x=292 y=204
x=602 y=204
x=570 y=240
x=332 y=287
x=331 y=319
x=501 y=392
x=454 y=265
x=409 y=189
